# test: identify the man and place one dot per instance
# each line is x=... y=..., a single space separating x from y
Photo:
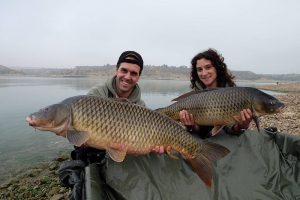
x=124 y=83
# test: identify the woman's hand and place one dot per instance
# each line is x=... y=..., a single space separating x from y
x=243 y=120
x=186 y=118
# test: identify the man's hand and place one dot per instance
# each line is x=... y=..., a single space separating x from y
x=161 y=149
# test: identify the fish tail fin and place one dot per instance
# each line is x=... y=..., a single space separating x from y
x=202 y=162
x=256 y=119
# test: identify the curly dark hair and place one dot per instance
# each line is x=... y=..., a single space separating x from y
x=224 y=76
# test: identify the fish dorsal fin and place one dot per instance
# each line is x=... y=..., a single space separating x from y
x=77 y=138
x=192 y=93
x=116 y=155
x=216 y=130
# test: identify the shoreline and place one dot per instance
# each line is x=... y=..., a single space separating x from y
x=41 y=181
x=282 y=87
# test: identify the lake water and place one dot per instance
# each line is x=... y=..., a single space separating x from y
x=21 y=146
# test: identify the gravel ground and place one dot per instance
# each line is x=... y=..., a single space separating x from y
x=289 y=120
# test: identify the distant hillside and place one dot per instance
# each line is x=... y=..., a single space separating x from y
x=246 y=75
x=166 y=72
x=79 y=71
x=5 y=70
x=149 y=72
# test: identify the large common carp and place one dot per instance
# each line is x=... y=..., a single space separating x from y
x=216 y=107
x=124 y=128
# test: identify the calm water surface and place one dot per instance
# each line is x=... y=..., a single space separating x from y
x=21 y=146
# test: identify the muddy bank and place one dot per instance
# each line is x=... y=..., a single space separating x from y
x=40 y=182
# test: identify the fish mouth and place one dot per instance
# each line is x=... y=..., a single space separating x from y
x=281 y=109
x=36 y=124
x=31 y=121
x=44 y=125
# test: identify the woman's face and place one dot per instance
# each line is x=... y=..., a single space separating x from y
x=207 y=73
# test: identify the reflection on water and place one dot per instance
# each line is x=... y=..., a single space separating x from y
x=22 y=146
x=148 y=86
x=164 y=86
x=77 y=83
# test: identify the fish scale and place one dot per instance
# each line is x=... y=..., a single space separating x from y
x=216 y=107
x=128 y=126
x=124 y=128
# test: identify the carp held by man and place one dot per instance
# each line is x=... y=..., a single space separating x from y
x=216 y=107
x=124 y=128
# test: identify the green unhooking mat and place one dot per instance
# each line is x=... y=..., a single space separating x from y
x=261 y=165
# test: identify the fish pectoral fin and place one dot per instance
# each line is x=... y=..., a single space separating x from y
x=77 y=138
x=255 y=119
x=237 y=118
x=117 y=155
x=216 y=130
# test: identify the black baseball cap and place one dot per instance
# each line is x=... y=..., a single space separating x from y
x=131 y=57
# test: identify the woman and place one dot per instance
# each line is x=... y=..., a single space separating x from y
x=210 y=71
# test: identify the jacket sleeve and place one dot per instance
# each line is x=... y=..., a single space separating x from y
x=230 y=130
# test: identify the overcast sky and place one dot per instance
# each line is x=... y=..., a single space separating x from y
x=253 y=35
